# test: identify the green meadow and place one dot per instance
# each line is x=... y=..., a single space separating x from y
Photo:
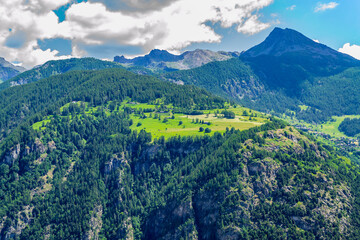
x=170 y=124
x=186 y=125
x=163 y=120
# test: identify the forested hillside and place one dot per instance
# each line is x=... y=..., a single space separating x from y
x=234 y=79
x=47 y=95
x=74 y=166
x=52 y=68
x=350 y=127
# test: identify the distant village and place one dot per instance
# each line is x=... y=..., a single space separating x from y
x=342 y=142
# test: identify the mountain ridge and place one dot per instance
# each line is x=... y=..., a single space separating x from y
x=163 y=60
x=9 y=70
x=56 y=67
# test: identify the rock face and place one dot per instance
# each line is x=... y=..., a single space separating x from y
x=207 y=213
x=115 y=162
x=95 y=224
x=12 y=155
x=37 y=146
x=11 y=229
x=175 y=221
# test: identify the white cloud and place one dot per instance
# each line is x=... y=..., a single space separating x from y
x=171 y=25
x=352 y=50
x=32 y=19
x=315 y=40
x=325 y=6
x=291 y=8
x=252 y=26
x=135 y=5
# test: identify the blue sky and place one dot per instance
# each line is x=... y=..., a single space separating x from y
x=36 y=33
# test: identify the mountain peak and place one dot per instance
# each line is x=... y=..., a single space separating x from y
x=121 y=59
x=282 y=41
x=289 y=36
x=4 y=63
x=158 y=55
x=288 y=57
x=8 y=70
x=158 y=51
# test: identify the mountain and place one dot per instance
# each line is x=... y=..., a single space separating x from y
x=281 y=74
x=286 y=58
x=281 y=42
x=57 y=67
x=161 y=60
x=155 y=55
x=8 y=70
x=197 y=58
x=77 y=162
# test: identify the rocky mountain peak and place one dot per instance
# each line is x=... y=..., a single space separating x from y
x=163 y=56
x=285 y=41
x=6 y=64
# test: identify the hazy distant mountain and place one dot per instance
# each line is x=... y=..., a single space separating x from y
x=280 y=74
x=8 y=70
x=158 y=60
x=155 y=56
x=58 y=67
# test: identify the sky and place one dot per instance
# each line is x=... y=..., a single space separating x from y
x=35 y=31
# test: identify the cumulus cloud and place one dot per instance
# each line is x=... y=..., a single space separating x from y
x=164 y=24
x=252 y=26
x=173 y=27
x=352 y=50
x=325 y=6
x=291 y=8
x=22 y=23
x=135 y=5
